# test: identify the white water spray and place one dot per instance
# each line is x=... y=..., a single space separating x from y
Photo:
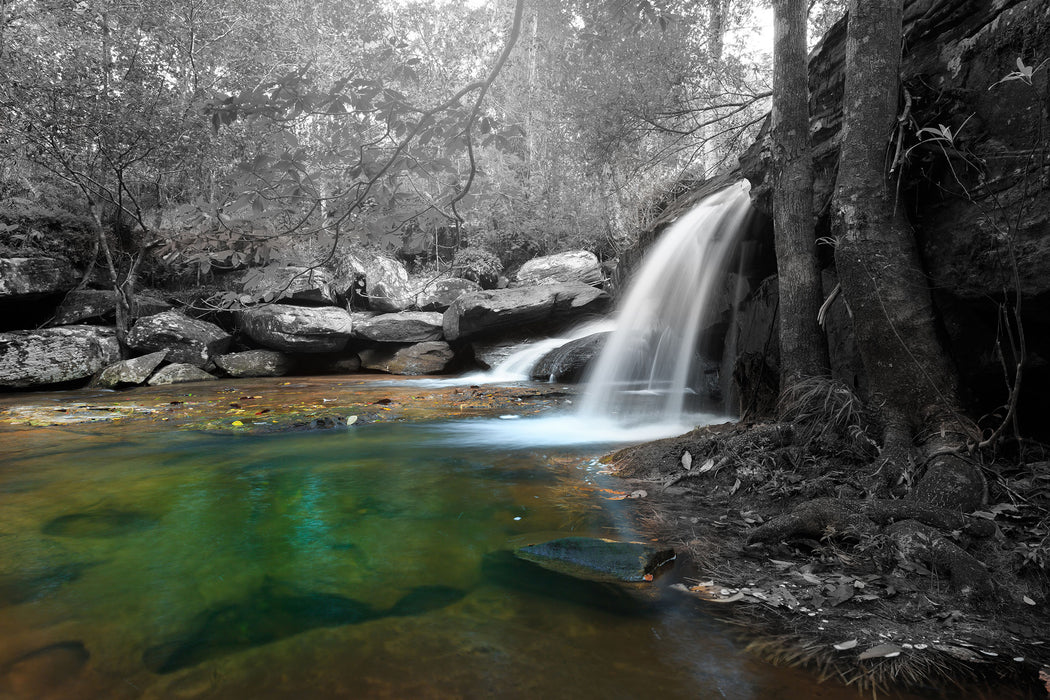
x=649 y=366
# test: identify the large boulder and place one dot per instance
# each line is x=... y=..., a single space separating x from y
x=297 y=328
x=186 y=339
x=179 y=373
x=348 y=274
x=254 y=363
x=294 y=285
x=84 y=305
x=387 y=285
x=439 y=294
x=402 y=327
x=24 y=279
x=422 y=358
x=130 y=372
x=55 y=355
x=577 y=266
x=502 y=310
x=569 y=362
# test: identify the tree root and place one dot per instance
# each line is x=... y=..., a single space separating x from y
x=915 y=529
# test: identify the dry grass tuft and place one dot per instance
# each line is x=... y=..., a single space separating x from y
x=827 y=413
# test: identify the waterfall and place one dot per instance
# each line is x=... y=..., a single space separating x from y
x=649 y=366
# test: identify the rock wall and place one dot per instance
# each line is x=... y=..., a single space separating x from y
x=977 y=193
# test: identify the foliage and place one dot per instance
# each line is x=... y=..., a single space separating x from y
x=477 y=265
x=826 y=412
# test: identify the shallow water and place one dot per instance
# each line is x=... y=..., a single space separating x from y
x=364 y=562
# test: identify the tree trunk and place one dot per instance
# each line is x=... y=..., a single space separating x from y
x=910 y=377
x=802 y=349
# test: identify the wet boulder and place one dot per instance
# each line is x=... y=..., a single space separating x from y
x=440 y=294
x=55 y=355
x=297 y=328
x=179 y=373
x=422 y=358
x=186 y=339
x=510 y=310
x=254 y=363
x=130 y=372
x=24 y=279
x=597 y=559
x=402 y=327
x=576 y=266
x=569 y=362
x=291 y=285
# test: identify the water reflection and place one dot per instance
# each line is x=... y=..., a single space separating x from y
x=364 y=563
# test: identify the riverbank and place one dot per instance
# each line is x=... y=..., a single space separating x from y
x=847 y=605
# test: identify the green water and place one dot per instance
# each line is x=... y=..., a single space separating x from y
x=364 y=563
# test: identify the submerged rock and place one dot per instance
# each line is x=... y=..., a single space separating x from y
x=99 y=524
x=130 y=372
x=597 y=559
x=421 y=358
x=503 y=310
x=180 y=373
x=576 y=266
x=187 y=340
x=55 y=355
x=254 y=363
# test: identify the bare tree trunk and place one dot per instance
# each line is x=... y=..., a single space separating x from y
x=803 y=351
x=911 y=379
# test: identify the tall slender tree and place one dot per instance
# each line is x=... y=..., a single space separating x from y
x=802 y=347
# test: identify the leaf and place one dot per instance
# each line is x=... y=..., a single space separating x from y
x=881 y=651
x=1028 y=601
x=640 y=493
x=843 y=646
x=687 y=460
x=706 y=466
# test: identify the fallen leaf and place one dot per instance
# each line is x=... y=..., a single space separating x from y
x=237 y=423
x=706 y=467
x=647 y=577
x=640 y=493
x=843 y=646
x=881 y=651
x=350 y=420
x=1028 y=601
x=687 y=460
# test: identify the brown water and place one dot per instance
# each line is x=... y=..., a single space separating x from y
x=137 y=560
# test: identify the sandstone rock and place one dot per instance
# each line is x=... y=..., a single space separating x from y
x=179 y=373
x=569 y=362
x=495 y=311
x=291 y=285
x=86 y=305
x=24 y=279
x=440 y=294
x=491 y=354
x=297 y=328
x=577 y=266
x=403 y=327
x=597 y=559
x=388 y=286
x=101 y=304
x=421 y=358
x=348 y=274
x=53 y=355
x=254 y=363
x=187 y=339
x=130 y=372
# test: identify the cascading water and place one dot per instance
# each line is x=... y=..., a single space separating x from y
x=649 y=365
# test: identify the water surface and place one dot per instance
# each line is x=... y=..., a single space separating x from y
x=364 y=562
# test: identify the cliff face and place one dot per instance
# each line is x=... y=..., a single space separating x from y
x=978 y=191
